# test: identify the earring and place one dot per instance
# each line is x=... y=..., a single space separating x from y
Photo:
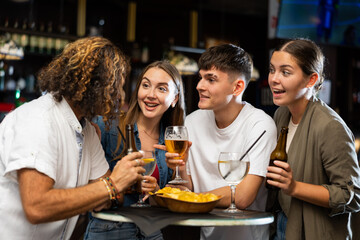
x=173 y=105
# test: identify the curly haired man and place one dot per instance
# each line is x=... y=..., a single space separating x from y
x=51 y=158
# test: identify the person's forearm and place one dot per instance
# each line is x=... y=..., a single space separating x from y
x=245 y=192
x=43 y=203
x=225 y=192
x=57 y=204
x=314 y=194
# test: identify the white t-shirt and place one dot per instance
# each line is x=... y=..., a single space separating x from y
x=42 y=135
x=291 y=132
x=207 y=143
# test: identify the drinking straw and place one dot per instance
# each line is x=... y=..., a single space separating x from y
x=241 y=158
x=252 y=145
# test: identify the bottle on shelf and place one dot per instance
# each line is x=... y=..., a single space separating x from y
x=30 y=83
x=21 y=82
x=24 y=39
x=60 y=42
x=130 y=147
x=15 y=36
x=42 y=38
x=10 y=82
x=50 y=42
x=279 y=152
x=34 y=39
x=6 y=22
x=64 y=30
x=2 y=76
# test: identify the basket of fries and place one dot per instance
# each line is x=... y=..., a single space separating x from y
x=184 y=201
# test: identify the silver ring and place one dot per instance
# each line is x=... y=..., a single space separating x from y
x=137 y=162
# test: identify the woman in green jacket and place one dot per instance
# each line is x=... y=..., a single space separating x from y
x=319 y=185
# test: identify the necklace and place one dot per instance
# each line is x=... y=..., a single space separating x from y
x=155 y=139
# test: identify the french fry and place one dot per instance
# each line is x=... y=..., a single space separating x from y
x=176 y=193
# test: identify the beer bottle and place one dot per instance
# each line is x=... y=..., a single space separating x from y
x=279 y=152
x=130 y=147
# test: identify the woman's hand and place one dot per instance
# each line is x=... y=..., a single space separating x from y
x=149 y=184
x=281 y=176
x=172 y=159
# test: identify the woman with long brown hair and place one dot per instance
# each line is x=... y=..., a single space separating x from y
x=319 y=185
x=157 y=102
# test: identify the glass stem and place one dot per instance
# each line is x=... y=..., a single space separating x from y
x=233 y=188
x=177 y=176
x=141 y=195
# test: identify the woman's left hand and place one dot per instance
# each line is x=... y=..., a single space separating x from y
x=149 y=184
x=281 y=176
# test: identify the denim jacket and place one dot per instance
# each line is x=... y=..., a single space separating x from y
x=109 y=142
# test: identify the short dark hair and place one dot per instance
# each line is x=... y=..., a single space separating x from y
x=307 y=55
x=227 y=58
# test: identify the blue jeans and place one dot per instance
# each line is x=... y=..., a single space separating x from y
x=281 y=226
x=99 y=229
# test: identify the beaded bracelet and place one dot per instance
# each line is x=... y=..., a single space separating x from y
x=111 y=195
x=116 y=199
x=112 y=185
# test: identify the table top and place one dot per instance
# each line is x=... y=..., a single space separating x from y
x=215 y=218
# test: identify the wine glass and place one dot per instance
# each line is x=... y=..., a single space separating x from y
x=176 y=141
x=233 y=170
x=150 y=164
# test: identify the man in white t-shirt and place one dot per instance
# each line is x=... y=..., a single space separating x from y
x=226 y=123
x=49 y=151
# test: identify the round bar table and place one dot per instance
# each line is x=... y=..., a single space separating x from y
x=155 y=218
x=247 y=218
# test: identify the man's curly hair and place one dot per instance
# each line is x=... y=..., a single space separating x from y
x=89 y=73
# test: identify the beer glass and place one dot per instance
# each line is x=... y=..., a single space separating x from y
x=176 y=141
x=233 y=170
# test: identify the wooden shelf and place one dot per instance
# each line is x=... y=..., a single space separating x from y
x=37 y=33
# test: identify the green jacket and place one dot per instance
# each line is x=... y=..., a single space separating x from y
x=322 y=152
